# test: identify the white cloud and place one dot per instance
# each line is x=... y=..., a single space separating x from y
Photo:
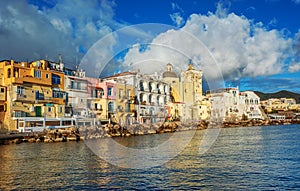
x=294 y=67
x=177 y=19
x=66 y=27
x=239 y=46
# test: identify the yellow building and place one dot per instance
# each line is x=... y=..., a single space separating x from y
x=32 y=90
x=280 y=104
x=186 y=94
x=124 y=102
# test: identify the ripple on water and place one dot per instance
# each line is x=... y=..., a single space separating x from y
x=257 y=158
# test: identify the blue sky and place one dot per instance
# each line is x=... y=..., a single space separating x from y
x=255 y=43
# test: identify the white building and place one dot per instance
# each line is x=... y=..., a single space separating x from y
x=76 y=88
x=152 y=95
x=252 y=103
x=227 y=104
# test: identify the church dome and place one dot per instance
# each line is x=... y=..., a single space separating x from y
x=169 y=74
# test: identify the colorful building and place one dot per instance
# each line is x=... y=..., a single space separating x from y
x=32 y=90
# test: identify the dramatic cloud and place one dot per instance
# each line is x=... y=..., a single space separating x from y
x=36 y=31
x=239 y=46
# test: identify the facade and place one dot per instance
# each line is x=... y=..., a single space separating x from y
x=231 y=105
x=252 y=102
x=95 y=95
x=280 y=104
x=32 y=90
x=124 y=102
x=227 y=104
x=150 y=96
x=186 y=94
x=108 y=101
x=76 y=87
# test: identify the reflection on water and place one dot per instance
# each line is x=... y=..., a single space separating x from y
x=256 y=158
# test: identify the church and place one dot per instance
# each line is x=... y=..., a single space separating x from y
x=186 y=94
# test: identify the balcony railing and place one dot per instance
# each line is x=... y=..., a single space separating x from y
x=21 y=96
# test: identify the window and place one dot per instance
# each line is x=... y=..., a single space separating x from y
x=101 y=93
x=60 y=109
x=58 y=94
x=8 y=72
x=72 y=84
x=2 y=90
x=96 y=106
x=120 y=94
x=141 y=86
x=128 y=93
x=49 y=109
x=150 y=86
x=109 y=91
x=20 y=90
x=56 y=79
x=47 y=75
x=110 y=107
x=19 y=114
x=37 y=74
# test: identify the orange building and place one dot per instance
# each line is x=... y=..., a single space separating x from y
x=33 y=89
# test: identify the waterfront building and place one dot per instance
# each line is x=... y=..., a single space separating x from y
x=227 y=104
x=124 y=102
x=186 y=94
x=253 y=109
x=108 y=101
x=32 y=90
x=95 y=95
x=280 y=104
x=151 y=96
x=76 y=88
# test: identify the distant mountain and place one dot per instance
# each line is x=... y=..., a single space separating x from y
x=280 y=94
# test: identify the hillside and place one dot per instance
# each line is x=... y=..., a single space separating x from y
x=280 y=94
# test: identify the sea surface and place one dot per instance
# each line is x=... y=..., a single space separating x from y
x=245 y=158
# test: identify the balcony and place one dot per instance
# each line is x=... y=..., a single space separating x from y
x=21 y=96
x=31 y=80
x=111 y=111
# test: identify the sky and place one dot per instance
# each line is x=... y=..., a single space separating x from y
x=252 y=44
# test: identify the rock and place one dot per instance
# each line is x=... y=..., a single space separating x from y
x=31 y=140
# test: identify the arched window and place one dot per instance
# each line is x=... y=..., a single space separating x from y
x=150 y=86
x=141 y=86
x=111 y=107
x=150 y=98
